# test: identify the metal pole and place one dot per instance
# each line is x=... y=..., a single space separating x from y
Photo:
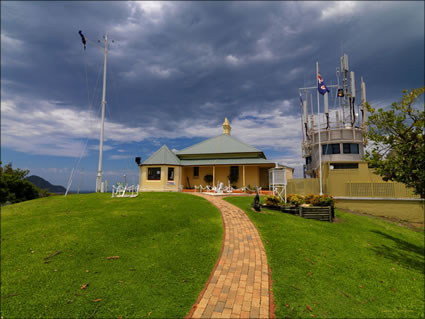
x=79 y=185
x=303 y=116
x=99 y=170
x=318 y=129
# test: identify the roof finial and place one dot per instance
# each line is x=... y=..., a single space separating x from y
x=226 y=127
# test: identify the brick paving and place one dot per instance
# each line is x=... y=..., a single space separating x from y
x=239 y=286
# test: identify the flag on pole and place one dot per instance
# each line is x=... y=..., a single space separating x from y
x=83 y=39
x=321 y=85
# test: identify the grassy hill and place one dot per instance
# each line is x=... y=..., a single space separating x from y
x=357 y=267
x=55 y=255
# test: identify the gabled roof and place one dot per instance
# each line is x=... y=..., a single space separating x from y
x=220 y=144
x=162 y=156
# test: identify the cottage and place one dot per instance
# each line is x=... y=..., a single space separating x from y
x=223 y=157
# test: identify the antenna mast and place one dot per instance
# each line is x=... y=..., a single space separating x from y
x=99 y=187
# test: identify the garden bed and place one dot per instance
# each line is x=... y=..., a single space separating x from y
x=324 y=213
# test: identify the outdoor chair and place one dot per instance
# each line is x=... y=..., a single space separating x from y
x=228 y=189
x=219 y=189
x=118 y=190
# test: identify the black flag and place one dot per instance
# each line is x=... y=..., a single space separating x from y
x=82 y=38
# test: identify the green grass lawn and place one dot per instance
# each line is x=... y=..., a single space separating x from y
x=168 y=244
x=358 y=267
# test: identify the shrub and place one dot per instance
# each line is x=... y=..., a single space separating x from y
x=43 y=192
x=325 y=200
x=309 y=198
x=272 y=200
x=319 y=200
x=208 y=179
x=13 y=187
x=295 y=199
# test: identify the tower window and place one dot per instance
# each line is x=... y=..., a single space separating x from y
x=350 y=148
x=345 y=165
x=329 y=149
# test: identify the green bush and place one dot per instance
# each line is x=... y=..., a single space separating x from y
x=42 y=192
x=295 y=199
x=272 y=200
x=309 y=198
x=319 y=200
x=208 y=179
x=13 y=187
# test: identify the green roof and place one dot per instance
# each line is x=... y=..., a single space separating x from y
x=225 y=161
x=163 y=156
x=219 y=145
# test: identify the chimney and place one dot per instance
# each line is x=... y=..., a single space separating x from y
x=226 y=127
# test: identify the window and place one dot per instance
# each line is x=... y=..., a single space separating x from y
x=154 y=173
x=308 y=160
x=349 y=148
x=196 y=172
x=329 y=149
x=171 y=173
x=345 y=165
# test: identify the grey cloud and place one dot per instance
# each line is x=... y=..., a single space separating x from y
x=202 y=61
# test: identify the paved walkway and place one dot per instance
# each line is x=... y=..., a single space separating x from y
x=239 y=286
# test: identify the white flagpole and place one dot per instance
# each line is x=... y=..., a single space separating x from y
x=318 y=129
x=99 y=170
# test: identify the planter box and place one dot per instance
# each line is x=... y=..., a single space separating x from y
x=324 y=213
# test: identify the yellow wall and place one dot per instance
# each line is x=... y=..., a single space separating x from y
x=252 y=176
x=289 y=173
x=163 y=184
x=359 y=182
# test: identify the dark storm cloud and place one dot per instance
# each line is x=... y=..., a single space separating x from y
x=206 y=60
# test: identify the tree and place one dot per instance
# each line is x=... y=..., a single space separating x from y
x=397 y=136
x=13 y=187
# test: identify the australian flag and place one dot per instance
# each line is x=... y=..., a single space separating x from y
x=321 y=85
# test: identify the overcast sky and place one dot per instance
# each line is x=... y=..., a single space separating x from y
x=176 y=69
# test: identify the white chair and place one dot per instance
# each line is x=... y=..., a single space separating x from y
x=120 y=190
x=219 y=189
x=228 y=189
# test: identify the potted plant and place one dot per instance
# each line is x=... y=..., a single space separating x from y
x=208 y=179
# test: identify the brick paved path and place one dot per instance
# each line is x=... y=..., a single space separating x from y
x=239 y=285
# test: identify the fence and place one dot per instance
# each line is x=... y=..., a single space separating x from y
x=342 y=188
x=303 y=186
